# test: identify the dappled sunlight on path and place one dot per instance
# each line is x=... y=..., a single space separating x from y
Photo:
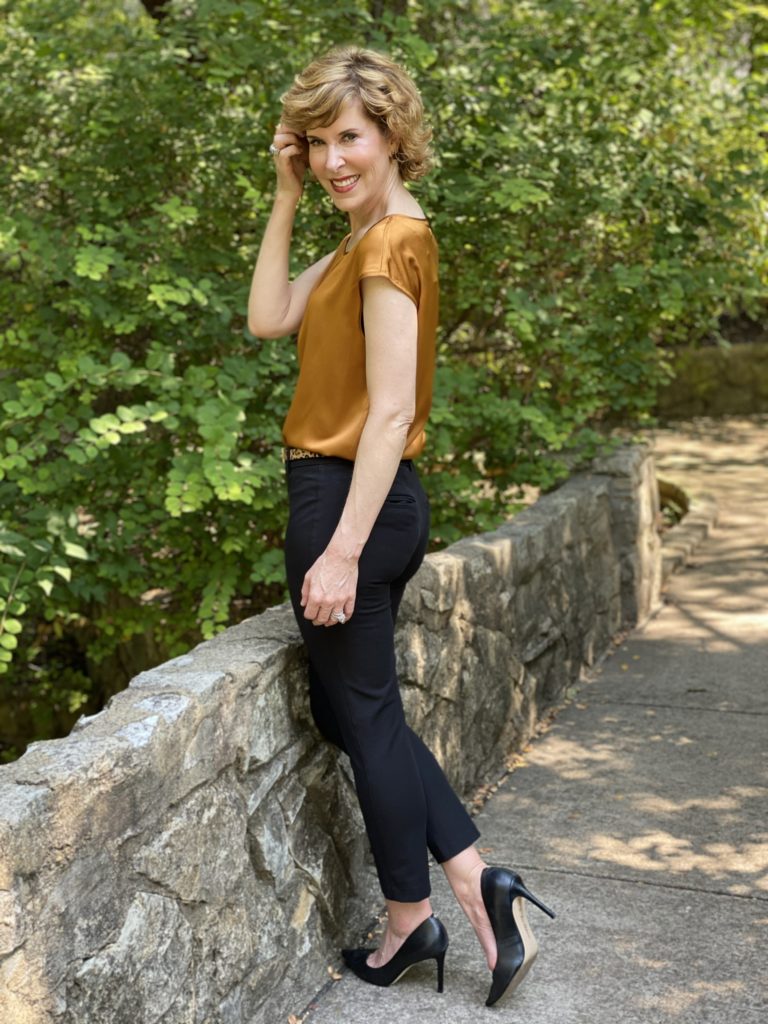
x=660 y=851
x=644 y=808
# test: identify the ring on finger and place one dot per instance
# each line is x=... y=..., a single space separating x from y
x=274 y=150
x=339 y=617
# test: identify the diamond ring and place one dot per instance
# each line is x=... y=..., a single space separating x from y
x=273 y=150
x=340 y=617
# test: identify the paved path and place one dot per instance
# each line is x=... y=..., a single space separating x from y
x=641 y=815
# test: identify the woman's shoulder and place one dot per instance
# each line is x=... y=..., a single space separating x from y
x=396 y=229
x=403 y=249
x=401 y=223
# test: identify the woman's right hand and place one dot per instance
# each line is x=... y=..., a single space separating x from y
x=291 y=162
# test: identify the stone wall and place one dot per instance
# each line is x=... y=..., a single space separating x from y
x=194 y=853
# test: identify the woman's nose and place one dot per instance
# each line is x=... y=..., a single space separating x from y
x=333 y=159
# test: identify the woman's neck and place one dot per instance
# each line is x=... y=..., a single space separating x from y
x=395 y=199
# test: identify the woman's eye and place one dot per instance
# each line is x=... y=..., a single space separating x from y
x=349 y=136
x=313 y=141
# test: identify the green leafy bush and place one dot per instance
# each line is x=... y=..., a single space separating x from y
x=598 y=198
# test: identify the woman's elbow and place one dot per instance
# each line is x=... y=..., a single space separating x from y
x=261 y=329
x=397 y=418
x=253 y=328
x=404 y=420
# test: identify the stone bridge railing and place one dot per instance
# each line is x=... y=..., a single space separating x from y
x=194 y=853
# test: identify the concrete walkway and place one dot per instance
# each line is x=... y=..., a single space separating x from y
x=641 y=814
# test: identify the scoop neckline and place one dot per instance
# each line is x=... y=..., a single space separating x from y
x=387 y=216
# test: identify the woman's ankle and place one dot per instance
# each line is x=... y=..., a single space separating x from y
x=462 y=871
x=403 y=918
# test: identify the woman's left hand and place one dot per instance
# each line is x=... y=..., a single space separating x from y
x=329 y=587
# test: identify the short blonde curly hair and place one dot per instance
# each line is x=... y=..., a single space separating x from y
x=387 y=93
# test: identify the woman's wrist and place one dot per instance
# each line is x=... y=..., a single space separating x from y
x=345 y=548
x=286 y=200
x=378 y=455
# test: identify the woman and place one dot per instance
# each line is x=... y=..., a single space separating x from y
x=366 y=314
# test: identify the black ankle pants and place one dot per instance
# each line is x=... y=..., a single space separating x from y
x=407 y=803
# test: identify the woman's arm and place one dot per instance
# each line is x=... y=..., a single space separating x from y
x=275 y=305
x=391 y=333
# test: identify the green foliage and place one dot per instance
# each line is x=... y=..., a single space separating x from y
x=598 y=198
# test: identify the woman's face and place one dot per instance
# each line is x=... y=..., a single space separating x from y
x=351 y=159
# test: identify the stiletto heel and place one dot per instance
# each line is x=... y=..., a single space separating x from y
x=520 y=890
x=503 y=894
x=440 y=958
x=428 y=941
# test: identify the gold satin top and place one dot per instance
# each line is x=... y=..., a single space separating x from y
x=330 y=404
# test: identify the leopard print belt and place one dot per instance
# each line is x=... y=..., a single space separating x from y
x=288 y=454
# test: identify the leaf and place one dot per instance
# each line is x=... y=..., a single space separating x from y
x=11 y=549
x=515 y=194
x=104 y=424
x=94 y=261
x=75 y=550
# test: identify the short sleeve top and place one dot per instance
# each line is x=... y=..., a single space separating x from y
x=330 y=404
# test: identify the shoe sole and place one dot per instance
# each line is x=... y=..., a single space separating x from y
x=405 y=971
x=530 y=947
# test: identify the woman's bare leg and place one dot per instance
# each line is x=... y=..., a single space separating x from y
x=463 y=872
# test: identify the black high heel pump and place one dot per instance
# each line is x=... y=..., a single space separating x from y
x=429 y=940
x=503 y=895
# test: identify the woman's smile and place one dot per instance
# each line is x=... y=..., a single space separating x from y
x=344 y=184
